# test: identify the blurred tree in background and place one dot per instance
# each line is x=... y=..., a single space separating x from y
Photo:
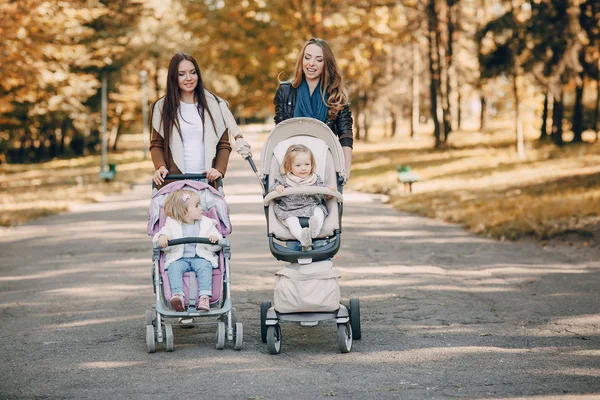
x=438 y=62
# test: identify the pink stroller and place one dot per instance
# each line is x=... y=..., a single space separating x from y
x=159 y=324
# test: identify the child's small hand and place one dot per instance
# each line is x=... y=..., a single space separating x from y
x=213 y=238
x=279 y=188
x=163 y=241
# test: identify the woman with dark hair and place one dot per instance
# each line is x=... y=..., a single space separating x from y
x=191 y=126
x=316 y=90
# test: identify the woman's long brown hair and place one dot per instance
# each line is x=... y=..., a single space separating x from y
x=173 y=95
x=331 y=78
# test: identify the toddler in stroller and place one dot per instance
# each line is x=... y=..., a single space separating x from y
x=298 y=169
x=306 y=291
x=184 y=218
x=205 y=244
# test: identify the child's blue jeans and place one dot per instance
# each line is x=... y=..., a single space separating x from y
x=203 y=269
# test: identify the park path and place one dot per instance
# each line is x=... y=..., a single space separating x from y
x=445 y=314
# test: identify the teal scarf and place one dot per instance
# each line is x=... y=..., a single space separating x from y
x=310 y=106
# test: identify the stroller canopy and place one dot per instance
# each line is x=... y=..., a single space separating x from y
x=278 y=139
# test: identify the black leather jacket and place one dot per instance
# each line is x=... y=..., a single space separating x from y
x=285 y=103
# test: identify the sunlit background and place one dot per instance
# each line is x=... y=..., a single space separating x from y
x=483 y=99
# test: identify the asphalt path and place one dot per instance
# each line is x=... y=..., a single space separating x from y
x=445 y=314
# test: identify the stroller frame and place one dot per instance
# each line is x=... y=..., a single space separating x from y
x=227 y=326
x=347 y=316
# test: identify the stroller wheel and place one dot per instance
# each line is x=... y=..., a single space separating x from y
x=355 y=318
x=264 y=307
x=150 y=341
x=274 y=339
x=345 y=337
x=170 y=338
x=220 y=335
x=238 y=336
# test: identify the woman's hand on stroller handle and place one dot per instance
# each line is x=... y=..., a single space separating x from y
x=159 y=175
x=242 y=147
x=213 y=174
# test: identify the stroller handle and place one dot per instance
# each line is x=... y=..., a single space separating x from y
x=253 y=166
x=202 y=240
x=197 y=177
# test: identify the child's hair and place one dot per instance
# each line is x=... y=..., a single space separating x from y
x=290 y=156
x=178 y=202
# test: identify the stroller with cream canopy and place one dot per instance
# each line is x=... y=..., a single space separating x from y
x=160 y=322
x=306 y=290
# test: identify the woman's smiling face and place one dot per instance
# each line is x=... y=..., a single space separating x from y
x=187 y=76
x=313 y=62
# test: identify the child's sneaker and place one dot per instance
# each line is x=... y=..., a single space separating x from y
x=177 y=302
x=305 y=239
x=203 y=304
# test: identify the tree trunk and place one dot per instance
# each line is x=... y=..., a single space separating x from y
x=483 y=111
x=156 y=83
x=358 y=130
x=518 y=121
x=53 y=146
x=578 y=111
x=483 y=18
x=597 y=108
x=366 y=118
x=394 y=120
x=442 y=74
x=557 y=115
x=433 y=68
x=61 y=146
x=544 y=130
x=449 y=68
x=416 y=72
x=114 y=132
x=458 y=109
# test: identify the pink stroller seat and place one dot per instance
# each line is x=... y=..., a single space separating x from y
x=214 y=207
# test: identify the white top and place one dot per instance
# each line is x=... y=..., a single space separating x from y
x=192 y=131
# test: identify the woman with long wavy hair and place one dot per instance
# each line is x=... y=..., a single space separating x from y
x=316 y=90
x=191 y=126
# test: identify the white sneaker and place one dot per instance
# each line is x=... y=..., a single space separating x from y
x=313 y=225
x=305 y=239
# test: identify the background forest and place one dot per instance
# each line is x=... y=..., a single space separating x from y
x=433 y=60
x=494 y=103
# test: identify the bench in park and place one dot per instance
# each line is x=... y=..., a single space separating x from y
x=108 y=175
x=406 y=177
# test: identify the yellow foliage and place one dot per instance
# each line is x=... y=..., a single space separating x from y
x=480 y=184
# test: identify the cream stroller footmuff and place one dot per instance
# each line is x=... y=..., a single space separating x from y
x=307 y=288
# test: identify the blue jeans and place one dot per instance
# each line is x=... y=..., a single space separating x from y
x=203 y=269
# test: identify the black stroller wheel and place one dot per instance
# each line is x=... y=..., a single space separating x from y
x=355 y=318
x=274 y=339
x=264 y=307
